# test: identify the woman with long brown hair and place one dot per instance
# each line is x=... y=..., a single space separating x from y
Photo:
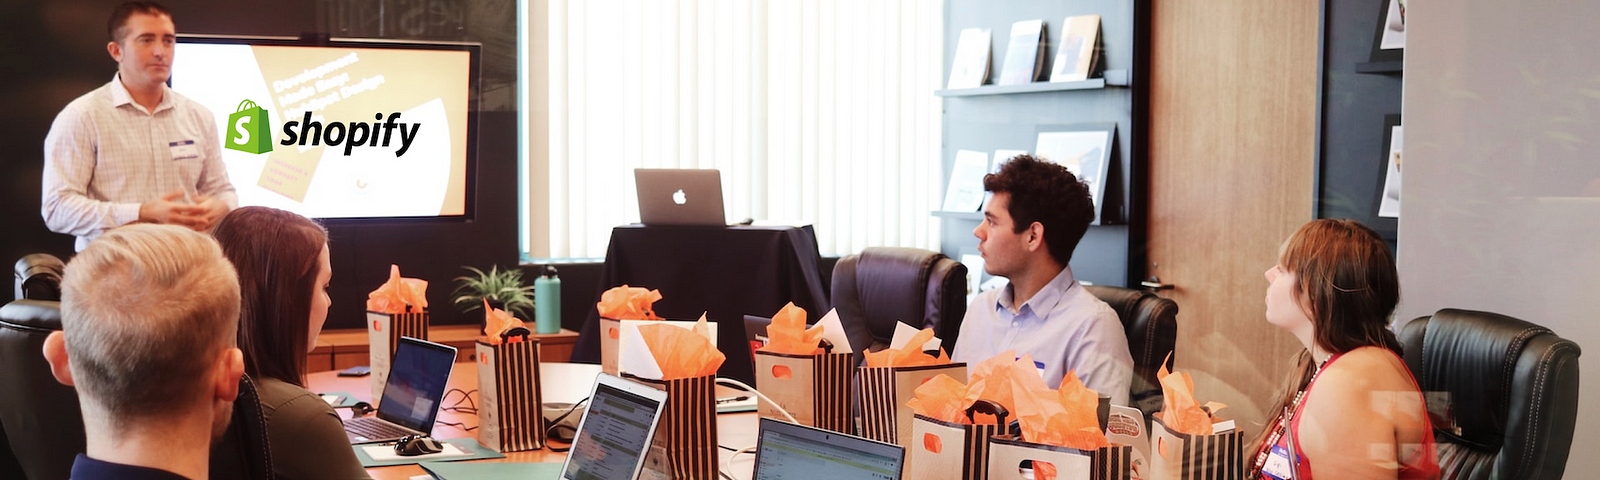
x=282 y=260
x=1351 y=408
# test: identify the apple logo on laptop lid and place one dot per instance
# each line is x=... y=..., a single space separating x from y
x=679 y=198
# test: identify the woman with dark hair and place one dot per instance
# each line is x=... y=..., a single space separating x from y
x=1351 y=408
x=282 y=260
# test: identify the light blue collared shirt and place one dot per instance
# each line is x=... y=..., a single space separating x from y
x=1063 y=327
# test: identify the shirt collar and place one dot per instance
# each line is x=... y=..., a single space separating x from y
x=120 y=95
x=1047 y=298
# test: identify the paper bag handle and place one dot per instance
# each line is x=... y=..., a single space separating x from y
x=245 y=105
x=985 y=406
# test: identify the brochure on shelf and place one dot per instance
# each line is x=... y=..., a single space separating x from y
x=971 y=66
x=1024 y=53
x=1076 y=57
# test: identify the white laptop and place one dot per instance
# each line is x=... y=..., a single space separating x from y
x=786 y=451
x=616 y=430
x=670 y=196
x=417 y=380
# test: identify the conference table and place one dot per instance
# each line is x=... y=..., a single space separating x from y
x=736 y=430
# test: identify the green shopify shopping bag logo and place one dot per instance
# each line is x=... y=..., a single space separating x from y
x=249 y=129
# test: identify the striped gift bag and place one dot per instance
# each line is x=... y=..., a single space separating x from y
x=943 y=450
x=1007 y=454
x=383 y=336
x=510 y=417
x=884 y=392
x=685 y=444
x=815 y=389
x=1180 y=456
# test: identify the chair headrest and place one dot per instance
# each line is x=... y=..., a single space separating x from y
x=1474 y=356
x=38 y=276
x=895 y=281
x=42 y=315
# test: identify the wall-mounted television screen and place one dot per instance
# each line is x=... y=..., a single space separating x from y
x=340 y=129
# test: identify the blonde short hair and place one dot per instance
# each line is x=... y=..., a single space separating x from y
x=146 y=310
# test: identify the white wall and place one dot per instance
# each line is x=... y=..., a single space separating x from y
x=1501 y=173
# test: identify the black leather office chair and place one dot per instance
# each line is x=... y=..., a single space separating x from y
x=883 y=285
x=1513 y=388
x=40 y=416
x=1151 y=324
x=244 y=452
x=38 y=277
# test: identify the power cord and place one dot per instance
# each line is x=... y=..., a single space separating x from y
x=466 y=397
x=723 y=472
x=554 y=428
x=746 y=387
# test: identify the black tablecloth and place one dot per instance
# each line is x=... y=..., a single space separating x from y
x=727 y=272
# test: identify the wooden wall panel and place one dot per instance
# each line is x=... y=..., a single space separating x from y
x=1232 y=136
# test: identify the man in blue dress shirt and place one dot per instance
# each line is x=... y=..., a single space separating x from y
x=1031 y=225
x=149 y=315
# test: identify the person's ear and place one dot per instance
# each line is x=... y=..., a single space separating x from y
x=55 y=352
x=228 y=372
x=115 y=50
x=1035 y=236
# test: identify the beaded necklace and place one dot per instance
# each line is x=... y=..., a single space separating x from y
x=1284 y=420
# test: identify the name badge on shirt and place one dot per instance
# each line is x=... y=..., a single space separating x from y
x=1278 y=466
x=184 y=150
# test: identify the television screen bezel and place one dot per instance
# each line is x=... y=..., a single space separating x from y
x=475 y=57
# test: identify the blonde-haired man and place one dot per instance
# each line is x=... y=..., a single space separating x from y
x=149 y=315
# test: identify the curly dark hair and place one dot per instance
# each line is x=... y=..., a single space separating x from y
x=1047 y=193
x=116 y=26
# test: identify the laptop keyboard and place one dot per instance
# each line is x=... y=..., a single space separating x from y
x=374 y=428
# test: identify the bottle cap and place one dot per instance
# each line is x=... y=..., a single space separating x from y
x=550 y=271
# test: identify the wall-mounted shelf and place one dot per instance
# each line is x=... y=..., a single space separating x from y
x=1111 y=78
x=1395 y=67
x=959 y=215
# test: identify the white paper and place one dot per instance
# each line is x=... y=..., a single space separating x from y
x=634 y=357
x=1390 y=205
x=965 y=193
x=1126 y=426
x=385 y=453
x=833 y=332
x=974 y=265
x=993 y=283
x=331 y=399
x=903 y=334
x=971 y=66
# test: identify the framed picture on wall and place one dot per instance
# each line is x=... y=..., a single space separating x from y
x=1389 y=196
x=1085 y=150
x=1389 y=43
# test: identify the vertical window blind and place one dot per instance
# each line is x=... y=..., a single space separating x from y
x=816 y=112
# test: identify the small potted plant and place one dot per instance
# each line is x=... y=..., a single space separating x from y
x=502 y=288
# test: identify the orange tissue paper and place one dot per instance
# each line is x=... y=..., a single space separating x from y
x=497 y=322
x=788 y=333
x=909 y=356
x=1066 y=417
x=682 y=353
x=1179 y=411
x=947 y=399
x=1005 y=374
x=628 y=303
x=399 y=295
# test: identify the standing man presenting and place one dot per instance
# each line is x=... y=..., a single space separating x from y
x=134 y=150
x=1030 y=228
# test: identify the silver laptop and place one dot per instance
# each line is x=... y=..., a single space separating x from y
x=616 y=430
x=418 y=377
x=786 y=451
x=670 y=196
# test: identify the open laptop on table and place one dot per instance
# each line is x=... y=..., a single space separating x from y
x=786 y=451
x=672 y=196
x=616 y=430
x=417 y=380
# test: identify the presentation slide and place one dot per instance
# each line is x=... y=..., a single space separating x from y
x=332 y=132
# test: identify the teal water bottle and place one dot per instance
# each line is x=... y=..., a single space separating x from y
x=547 y=302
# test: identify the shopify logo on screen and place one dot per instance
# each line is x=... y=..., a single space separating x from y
x=249 y=130
x=379 y=133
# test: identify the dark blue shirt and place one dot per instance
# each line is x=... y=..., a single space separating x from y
x=85 y=468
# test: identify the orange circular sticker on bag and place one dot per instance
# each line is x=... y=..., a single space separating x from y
x=932 y=443
x=781 y=372
x=612 y=332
